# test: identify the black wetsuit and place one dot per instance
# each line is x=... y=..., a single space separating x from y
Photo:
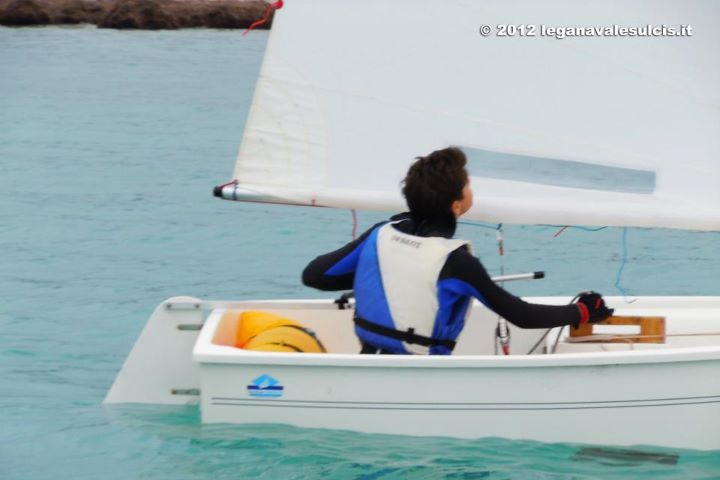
x=460 y=265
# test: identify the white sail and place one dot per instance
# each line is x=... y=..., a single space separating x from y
x=594 y=130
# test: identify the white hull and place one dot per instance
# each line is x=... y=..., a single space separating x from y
x=666 y=395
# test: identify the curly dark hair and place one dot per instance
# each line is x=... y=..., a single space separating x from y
x=434 y=182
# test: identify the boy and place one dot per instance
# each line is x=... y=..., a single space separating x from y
x=414 y=283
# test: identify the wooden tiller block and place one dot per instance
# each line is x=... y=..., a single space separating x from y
x=652 y=330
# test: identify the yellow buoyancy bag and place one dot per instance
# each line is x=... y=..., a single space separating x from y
x=254 y=322
x=286 y=339
x=268 y=332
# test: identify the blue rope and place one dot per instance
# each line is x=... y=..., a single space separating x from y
x=494 y=227
x=623 y=262
x=587 y=229
x=475 y=224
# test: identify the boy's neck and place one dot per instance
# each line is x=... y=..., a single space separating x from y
x=426 y=227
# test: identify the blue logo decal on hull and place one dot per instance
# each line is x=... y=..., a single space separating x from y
x=265 y=386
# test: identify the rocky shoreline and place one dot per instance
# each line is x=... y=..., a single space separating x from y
x=134 y=14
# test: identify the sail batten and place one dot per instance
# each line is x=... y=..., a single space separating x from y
x=591 y=130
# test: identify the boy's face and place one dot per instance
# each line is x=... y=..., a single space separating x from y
x=459 y=207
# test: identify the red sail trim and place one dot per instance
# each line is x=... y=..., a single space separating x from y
x=277 y=5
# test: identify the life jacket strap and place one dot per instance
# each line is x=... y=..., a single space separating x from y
x=408 y=336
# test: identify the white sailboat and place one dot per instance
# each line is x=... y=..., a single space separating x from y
x=593 y=130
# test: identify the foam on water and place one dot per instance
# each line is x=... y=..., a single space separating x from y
x=110 y=144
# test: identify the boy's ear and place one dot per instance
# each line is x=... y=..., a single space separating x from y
x=456 y=208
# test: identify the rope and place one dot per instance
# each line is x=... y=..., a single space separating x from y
x=354 y=223
x=563 y=227
x=502 y=333
x=539 y=342
x=501 y=246
x=596 y=337
x=557 y=339
x=618 y=276
x=478 y=224
x=623 y=262
x=557 y=234
x=277 y=5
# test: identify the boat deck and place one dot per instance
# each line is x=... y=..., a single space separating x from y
x=687 y=322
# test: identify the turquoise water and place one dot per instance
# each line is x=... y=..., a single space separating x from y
x=110 y=144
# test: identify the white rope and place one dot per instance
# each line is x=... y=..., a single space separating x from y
x=598 y=338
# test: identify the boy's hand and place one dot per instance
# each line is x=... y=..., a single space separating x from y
x=592 y=307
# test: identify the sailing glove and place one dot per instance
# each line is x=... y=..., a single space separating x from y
x=592 y=307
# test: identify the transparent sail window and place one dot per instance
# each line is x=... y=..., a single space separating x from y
x=562 y=173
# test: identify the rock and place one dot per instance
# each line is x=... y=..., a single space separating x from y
x=79 y=11
x=138 y=14
x=23 y=12
x=141 y=14
x=219 y=13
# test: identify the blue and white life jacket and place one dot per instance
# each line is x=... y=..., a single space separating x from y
x=396 y=290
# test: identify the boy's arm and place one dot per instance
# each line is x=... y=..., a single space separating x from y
x=469 y=276
x=336 y=270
